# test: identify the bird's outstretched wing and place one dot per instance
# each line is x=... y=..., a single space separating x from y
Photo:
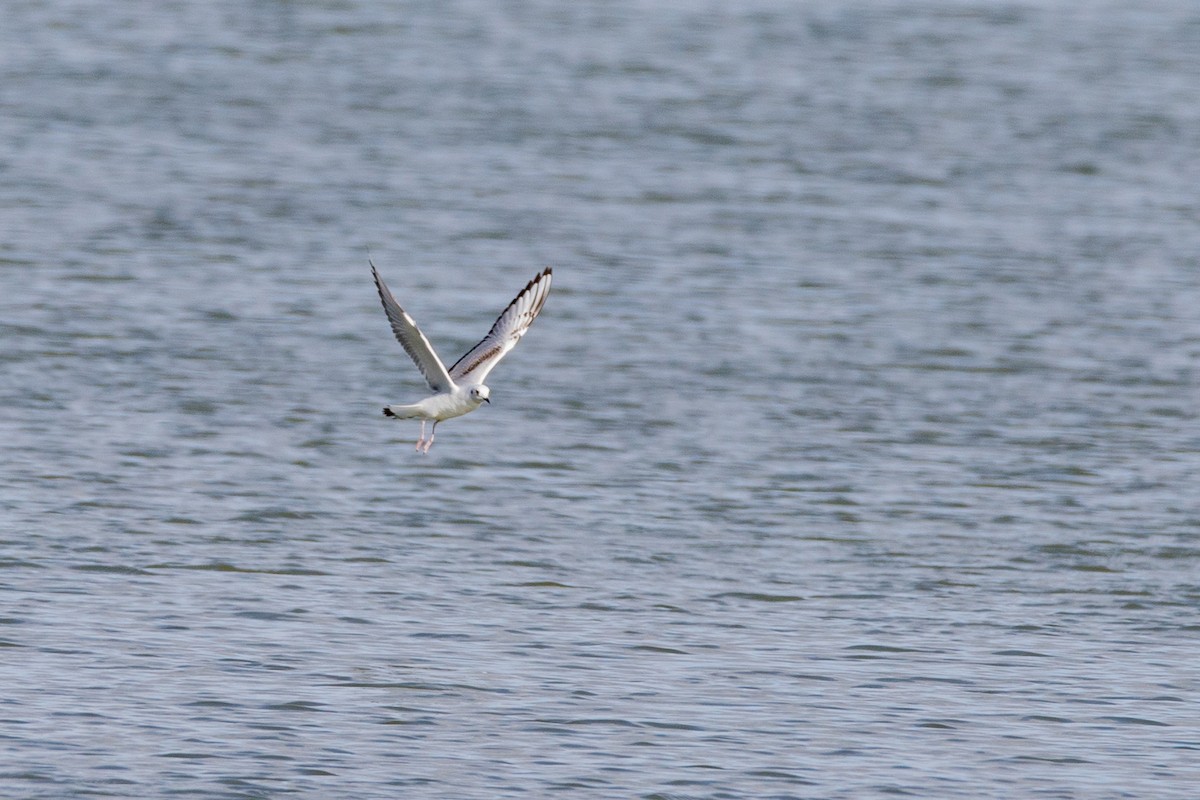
x=508 y=328
x=414 y=342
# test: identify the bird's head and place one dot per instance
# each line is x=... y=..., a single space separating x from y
x=480 y=394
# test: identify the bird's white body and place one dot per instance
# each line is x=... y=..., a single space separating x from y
x=438 y=407
x=460 y=389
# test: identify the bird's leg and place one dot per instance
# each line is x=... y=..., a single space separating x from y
x=421 y=441
x=432 y=431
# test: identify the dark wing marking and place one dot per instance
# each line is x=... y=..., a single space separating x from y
x=509 y=327
x=413 y=341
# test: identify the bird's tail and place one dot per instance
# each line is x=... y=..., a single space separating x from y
x=402 y=412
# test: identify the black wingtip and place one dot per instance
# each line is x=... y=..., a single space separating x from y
x=387 y=412
x=548 y=271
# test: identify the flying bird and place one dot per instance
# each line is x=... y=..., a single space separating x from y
x=460 y=389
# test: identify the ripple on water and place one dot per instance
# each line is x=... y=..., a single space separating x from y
x=852 y=455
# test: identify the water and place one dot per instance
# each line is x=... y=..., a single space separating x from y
x=854 y=454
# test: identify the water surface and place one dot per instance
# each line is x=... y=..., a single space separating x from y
x=853 y=455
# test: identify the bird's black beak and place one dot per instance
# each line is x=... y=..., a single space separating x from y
x=487 y=400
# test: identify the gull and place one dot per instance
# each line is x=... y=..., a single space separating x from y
x=460 y=389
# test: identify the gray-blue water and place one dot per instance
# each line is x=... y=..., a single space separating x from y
x=855 y=453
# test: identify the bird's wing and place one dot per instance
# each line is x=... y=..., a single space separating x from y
x=414 y=342
x=508 y=328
